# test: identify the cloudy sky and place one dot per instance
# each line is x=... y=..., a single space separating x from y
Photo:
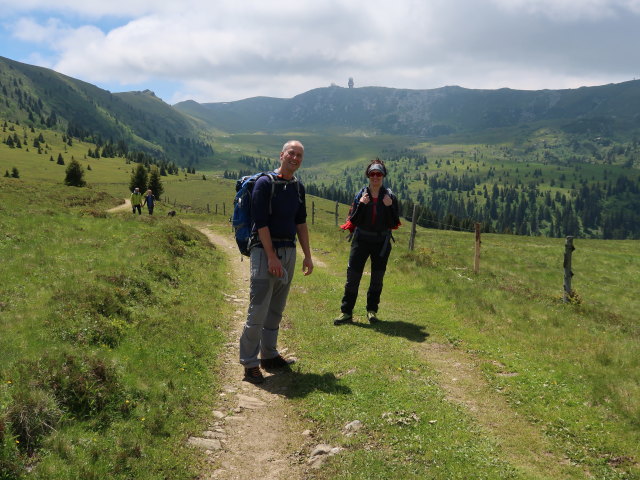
x=224 y=50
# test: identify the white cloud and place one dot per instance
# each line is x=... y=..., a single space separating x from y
x=224 y=50
x=88 y=8
x=571 y=10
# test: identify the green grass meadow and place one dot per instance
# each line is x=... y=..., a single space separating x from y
x=112 y=325
x=111 y=329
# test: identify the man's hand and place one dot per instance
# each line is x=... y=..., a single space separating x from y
x=275 y=266
x=307 y=266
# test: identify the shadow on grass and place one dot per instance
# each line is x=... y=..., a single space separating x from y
x=397 y=328
x=296 y=384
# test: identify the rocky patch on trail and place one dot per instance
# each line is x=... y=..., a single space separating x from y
x=320 y=454
x=352 y=428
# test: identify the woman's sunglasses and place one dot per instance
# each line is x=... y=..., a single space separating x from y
x=376 y=174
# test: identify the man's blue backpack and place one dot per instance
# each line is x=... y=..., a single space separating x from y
x=241 y=219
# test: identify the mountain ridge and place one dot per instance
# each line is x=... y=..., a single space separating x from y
x=601 y=110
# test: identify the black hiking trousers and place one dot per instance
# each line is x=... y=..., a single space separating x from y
x=378 y=250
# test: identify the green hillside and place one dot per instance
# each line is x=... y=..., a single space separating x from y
x=41 y=98
x=547 y=184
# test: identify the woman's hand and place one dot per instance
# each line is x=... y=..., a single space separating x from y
x=387 y=201
x=365 y=198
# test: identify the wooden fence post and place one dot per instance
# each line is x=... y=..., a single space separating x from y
x=568 y=250
x=337 y=204
x=313 y=213
x=216 y=208
x=414 y=220
x=476 y=260
x=208 y=211
x=224 y=208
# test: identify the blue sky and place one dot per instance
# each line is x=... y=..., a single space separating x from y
x=212 y=50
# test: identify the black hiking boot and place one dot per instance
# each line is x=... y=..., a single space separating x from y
x=343 y=319
x=372 y=316
x=275 y=363
x=253 y=375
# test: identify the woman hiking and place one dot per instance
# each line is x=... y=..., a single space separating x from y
x=372 y=217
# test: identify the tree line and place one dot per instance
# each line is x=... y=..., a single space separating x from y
x=609 y=210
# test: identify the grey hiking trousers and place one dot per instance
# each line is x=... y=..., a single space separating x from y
x=267 y=299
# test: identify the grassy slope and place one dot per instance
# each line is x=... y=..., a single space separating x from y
x=110 y=175
x=89 y=309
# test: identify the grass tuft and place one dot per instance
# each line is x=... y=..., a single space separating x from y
x=32 y=414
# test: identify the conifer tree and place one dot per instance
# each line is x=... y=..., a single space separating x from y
x=139 y=179
x=74 y=174
x=155 y=185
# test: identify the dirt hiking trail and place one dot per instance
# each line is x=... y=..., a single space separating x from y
x=522 y=444
x=253 y=432
x=124 y=206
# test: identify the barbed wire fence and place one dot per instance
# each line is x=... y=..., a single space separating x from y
x=225 y=210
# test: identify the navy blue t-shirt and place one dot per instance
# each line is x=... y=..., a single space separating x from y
x=288 y=209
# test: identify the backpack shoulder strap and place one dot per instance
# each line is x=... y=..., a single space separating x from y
x=272 y=180
x=273 y=176
x=295 y=180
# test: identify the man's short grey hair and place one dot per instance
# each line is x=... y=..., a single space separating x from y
x=286 y=145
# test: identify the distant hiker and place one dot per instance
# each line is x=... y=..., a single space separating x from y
x=373 y=214
x=276 y=218
x=149 y=201
x=136 y=201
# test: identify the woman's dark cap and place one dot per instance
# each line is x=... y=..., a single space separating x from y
x=376 y=167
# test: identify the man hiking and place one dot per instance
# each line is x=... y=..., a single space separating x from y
x=136 y=201
x=278 y=215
